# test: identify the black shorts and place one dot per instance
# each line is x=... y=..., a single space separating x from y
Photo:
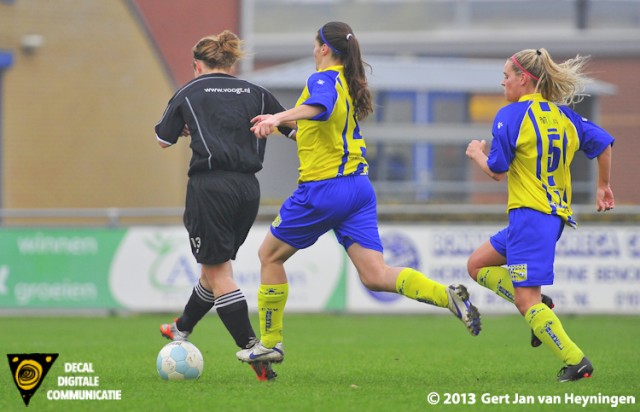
x=220 y=209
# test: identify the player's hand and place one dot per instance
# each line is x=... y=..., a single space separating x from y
x=260 y=118
x=604 y=199
x=475 y=147
x=264 y=125
x=185 y=131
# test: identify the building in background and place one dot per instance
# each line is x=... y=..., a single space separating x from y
x=78 y=111
x=426 y=111
x=469 y=29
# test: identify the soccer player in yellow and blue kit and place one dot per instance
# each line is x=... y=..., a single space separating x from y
x=334 y=193
x=534 y=141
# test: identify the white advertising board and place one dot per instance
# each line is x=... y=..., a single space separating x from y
x=597 y=270
x=153 y=269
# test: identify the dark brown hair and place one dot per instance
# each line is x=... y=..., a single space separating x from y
x=344 y=46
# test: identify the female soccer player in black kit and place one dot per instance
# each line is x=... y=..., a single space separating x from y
x=223 y=193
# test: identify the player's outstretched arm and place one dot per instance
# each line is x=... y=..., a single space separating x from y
x=604 y=194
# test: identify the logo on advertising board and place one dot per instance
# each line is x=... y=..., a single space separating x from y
x=399 y=251
x=154 y=269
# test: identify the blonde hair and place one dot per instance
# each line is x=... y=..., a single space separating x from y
x=560 y=83
x=219 y=51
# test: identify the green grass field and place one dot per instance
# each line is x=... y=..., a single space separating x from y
x=333 y=363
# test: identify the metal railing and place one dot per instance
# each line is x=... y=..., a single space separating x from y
x=119 y=217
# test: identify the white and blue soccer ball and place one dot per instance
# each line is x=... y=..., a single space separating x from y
x=179 y=361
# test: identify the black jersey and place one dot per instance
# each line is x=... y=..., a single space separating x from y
x=218 y=108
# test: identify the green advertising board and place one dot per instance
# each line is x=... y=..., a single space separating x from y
x=57 y=268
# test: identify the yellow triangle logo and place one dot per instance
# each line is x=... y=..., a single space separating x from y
x=28 y=371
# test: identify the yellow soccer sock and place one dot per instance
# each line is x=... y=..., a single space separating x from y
x=497 y=279
x=271 y=302
x=417 y=286
x=547 y=327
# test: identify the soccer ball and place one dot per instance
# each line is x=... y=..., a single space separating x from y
x=179 y=361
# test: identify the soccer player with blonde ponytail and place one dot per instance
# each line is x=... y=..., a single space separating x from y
x=535 y=138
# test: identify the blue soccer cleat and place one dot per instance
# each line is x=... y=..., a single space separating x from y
x=461 y=307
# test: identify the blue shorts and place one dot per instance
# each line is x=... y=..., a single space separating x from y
x=529 y=244
x=345 y=204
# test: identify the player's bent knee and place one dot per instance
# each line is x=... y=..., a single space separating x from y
x=372 y=283
x=473 y=269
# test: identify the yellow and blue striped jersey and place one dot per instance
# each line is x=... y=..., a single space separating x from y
x=330 y=144
x=534 y=142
